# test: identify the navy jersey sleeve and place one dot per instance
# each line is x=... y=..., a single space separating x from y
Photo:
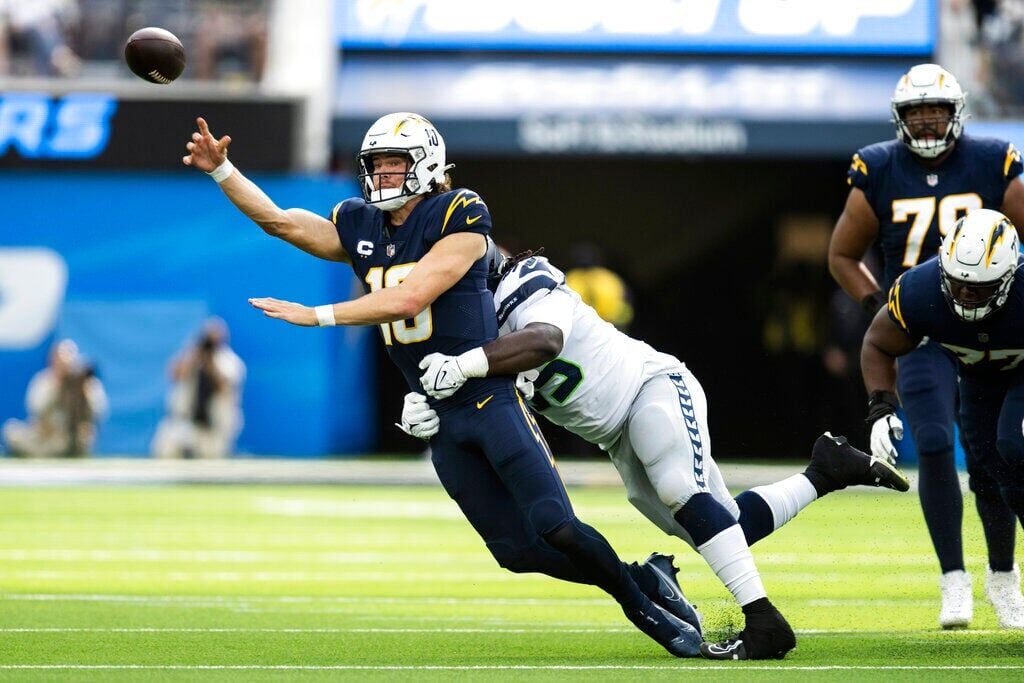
x=867 y=170
x=341 y=215
x=857 y=174
x=895 y=305
x=461 y=211
x=1012 y=166
x=913 y=297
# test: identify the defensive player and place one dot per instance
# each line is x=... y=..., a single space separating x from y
x=418 y=247
x=906 y=194
x=969 y=302
x=649 y=412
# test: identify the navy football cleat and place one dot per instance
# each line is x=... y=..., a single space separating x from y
x=766 y=636
x=843 y=465
x=669 y=595
x=675 y=635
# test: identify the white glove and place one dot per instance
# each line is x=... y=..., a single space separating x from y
x=524 y=383
x=884 y=430
x=418 y=418
x=446 y=374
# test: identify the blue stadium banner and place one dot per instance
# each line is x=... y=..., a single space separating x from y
x=129 y=266
x=852 y=27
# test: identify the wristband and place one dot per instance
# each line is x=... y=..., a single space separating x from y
x=880 y=404
x=325 y=315
x=873 y=301
x=473 y=363
x=222 y=172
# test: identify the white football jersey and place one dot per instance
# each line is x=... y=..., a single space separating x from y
x=590 y=386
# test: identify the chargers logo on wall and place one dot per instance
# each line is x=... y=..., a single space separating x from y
x=37 y=126
x=32 y=284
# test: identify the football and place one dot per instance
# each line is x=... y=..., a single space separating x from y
x=155 y=55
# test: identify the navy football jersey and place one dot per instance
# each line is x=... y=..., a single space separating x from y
x=996 y=343
x=462 y=317
x=917 y=205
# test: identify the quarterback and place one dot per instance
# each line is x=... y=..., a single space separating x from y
x=418 y=247
x=969 y=302
x=649 y=413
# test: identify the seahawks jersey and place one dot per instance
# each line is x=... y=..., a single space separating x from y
x=590 y=386
x=993 y=344
x=916 y=205
x=461 y=318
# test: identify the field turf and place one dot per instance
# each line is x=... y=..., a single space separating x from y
x=255 y=583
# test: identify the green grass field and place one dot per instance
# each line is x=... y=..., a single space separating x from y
x=256 y=583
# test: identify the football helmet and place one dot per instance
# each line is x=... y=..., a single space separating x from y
x=978 y=258
x=928 y=84
x=409 y=135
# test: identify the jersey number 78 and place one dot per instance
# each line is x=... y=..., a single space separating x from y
x=951 y=208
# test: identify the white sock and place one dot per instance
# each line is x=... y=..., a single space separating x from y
x=787 y=497
x=729 y=557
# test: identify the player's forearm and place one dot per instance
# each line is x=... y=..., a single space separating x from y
x=254 y=203
x=853 y=276
x=383 y=306
x=525 y=349
x=878 y=368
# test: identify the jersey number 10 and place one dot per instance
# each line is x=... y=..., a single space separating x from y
x=403 y=331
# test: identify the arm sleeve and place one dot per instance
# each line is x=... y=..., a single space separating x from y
x=553 y=307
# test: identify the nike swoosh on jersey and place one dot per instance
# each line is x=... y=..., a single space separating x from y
x=474 y=219
x=481 y=404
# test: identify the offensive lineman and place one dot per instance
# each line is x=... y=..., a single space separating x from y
x=649 y=412
x=907 y=193
x=419 y=249
x=968 y=301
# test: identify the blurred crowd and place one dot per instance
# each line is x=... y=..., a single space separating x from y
x=224 y=39
x=982 y=42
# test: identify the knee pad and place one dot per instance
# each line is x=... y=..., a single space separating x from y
x=933 y=437
x=546 y=516
x=509 y=556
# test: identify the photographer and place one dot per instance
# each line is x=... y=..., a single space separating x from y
x=204 y=413
x=65 y=400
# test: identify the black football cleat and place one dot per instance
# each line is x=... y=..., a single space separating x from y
x=669 y=595
x=766 y=636
x=675 y=635
x=843 y=465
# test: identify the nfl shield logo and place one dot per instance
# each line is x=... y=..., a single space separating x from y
x=932 y=179
x=390 y=250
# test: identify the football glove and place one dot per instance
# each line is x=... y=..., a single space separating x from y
x=418 y=418
x=524 y=383
x=885 y=426
x=444 y=375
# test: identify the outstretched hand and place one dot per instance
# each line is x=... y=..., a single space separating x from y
x=290 y=312
x=206 y=152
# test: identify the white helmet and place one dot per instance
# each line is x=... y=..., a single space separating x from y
x=978 y=259
x=410 y=135
x=928 y=84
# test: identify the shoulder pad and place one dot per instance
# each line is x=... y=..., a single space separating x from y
x=348 y=206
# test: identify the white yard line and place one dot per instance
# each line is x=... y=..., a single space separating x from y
x=730 y=668
x=495 y=629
